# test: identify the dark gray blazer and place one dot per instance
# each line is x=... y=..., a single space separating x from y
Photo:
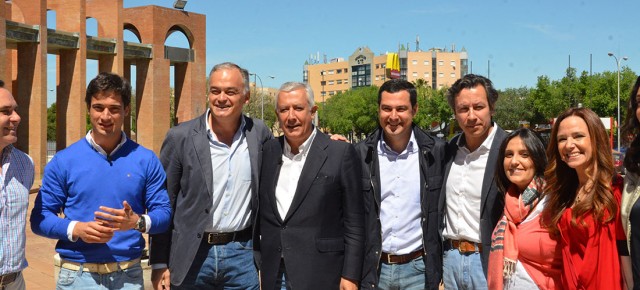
x=492 y=201
x=322 y=236
x=186 y=158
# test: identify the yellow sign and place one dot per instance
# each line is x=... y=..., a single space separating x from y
x=393 y=66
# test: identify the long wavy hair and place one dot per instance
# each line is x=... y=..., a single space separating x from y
x=630 y=128
x=562 y=180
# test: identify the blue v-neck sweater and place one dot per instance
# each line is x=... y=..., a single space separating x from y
x=78 y=180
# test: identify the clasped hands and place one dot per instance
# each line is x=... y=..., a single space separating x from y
x=106 y=222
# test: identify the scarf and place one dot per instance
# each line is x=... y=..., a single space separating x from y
x=504 y=249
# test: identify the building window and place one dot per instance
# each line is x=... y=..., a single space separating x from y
x=339 y=71
x=323 y=93
x=332 y=72
x=453 y=75
x=440 y=75
x=440 y=62
x=415 y=74
x=330 y=82
x=426 y=75
x=426 y=62
x=377 y=66
x=346 y=81
x=331 y=93
x=339 y=82
x=361 y=75
x=384 y=65
x=377 y=78
x=453 y=63
x=414 y=62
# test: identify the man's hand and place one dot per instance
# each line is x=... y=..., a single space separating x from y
x=92 y=232
x=122 y=219
x=347 y=284
x=160 y=279
x=338 y=137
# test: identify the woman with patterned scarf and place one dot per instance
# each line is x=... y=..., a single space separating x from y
x=523 y=254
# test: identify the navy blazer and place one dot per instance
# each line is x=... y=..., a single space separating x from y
x=186 y=158
x=321 y=238
x=492 y=200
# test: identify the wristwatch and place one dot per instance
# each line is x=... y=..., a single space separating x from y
x=141 y=224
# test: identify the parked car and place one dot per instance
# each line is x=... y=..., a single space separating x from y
x=618 y=162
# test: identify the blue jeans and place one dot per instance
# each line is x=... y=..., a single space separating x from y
x=228 y=266
x=409 y=276
x=129 y=279
x=283 y=281
x=462 y=271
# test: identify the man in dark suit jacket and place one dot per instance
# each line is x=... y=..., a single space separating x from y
x=311 y=213
x=212 y=164
x=470 y=203
x=403 y=170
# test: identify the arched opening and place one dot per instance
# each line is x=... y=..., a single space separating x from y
x=177 y=40
x=92 y=26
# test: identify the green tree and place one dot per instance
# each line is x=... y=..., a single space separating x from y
x=51 y=122
x=351 y=112
x=513 y=106
x=255 y=108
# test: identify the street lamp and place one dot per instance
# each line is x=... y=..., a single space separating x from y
x=256 y=92
x=618 y=65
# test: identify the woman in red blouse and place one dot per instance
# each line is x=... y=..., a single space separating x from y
x=583 y=202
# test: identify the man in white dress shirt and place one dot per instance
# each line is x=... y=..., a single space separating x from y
x=470 y=203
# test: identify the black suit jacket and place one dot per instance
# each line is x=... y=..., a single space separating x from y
x=492 y=200
x=186 y=158
x=432 y=161
x=322 y=236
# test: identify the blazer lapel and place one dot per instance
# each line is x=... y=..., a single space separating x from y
x=490 y=169
x=251 y=136
x=315 y=160
x=275 y=154
x=201 y=146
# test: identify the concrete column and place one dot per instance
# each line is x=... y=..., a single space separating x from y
x=30 y=86
x=109 y=16
x=72 y=74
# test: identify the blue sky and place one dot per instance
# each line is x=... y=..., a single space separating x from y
x=521 y=39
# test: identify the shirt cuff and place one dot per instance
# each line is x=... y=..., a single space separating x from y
x=70 y=227
x=158 y=266
x=147 y=222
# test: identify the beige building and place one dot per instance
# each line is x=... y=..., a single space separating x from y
x=439 y=67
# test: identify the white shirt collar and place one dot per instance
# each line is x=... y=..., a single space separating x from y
x=384 y=148
x=486 y=144
x=303 y=150
x=123 y=139
x=210 y=132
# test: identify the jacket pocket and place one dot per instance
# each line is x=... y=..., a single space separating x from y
x=330 y=244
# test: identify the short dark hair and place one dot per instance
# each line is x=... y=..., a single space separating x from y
x=470 y=81
x=537 y=153
x=105 y=82
x=396 y=85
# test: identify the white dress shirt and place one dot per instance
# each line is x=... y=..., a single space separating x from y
x=231 y=168
x=400 y=209
x=290 y=171
x=464 y=191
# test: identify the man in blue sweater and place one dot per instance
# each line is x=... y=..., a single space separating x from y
x=110 y=191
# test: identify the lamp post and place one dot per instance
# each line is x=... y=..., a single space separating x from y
x=618 y=66
x=256 y=91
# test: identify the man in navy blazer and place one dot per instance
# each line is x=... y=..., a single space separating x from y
x=311 y=209
x=212 y=164
x=470 y=203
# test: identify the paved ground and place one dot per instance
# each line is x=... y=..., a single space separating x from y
x=40 y=251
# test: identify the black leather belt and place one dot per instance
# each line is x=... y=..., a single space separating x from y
x=8 y=278
x=225 y=238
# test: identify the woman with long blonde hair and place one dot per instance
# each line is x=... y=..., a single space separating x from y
x=583 y=196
